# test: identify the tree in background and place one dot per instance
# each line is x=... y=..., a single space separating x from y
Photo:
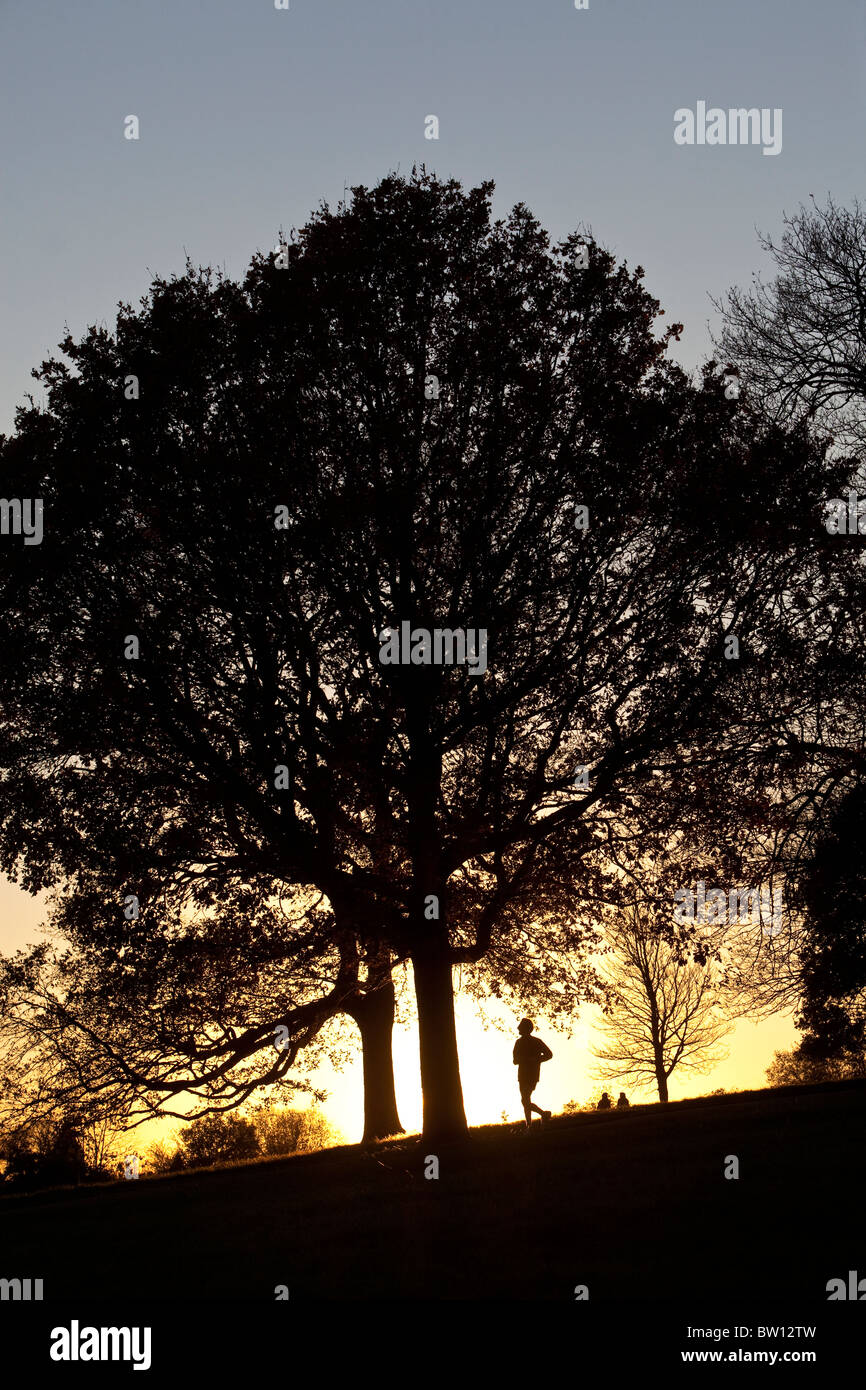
x=163 y=1157
x=218 y=1139
x=800 y=341
x=832 y=892
x=283 y=1131
x=52 y=1128
x=45 y=1153
x=795 y=1067
x=232 y=1138
x=667 y=1014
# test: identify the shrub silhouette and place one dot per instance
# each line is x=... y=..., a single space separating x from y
x=218 y=1139
x=214 y=1139
x=46 y=1159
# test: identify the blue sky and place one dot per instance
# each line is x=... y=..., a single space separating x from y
x=249 y=116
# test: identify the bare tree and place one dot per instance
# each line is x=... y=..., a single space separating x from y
x=666 y=1012
x=44 y=1106
x=800 y=341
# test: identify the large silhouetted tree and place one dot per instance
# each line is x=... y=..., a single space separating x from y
x=413 y=415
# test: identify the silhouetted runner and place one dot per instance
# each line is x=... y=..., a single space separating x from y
x=529 y=1053
x=622 y=1103
x=604 y=1103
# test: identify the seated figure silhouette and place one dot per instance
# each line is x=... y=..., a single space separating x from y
x=622 y=1103
x=529 y=1053
x=604 y=1103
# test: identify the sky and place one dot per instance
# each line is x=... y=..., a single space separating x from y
x=250 y=116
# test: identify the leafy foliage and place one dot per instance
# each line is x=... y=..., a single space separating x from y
x=796 y=1067
x=283 y=489
x=833 y=958
x=222 y=1139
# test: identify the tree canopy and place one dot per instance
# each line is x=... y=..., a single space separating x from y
x=414 y=421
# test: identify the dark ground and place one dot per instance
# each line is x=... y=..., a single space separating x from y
x=634 y=1205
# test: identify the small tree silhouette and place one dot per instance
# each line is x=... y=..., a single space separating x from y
x=666 y=1012
x=218 y=1139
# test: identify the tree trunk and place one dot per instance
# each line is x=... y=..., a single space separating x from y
x=374 y=1015
x=437 y=1036
x=662 y=1083
x=658 y=1048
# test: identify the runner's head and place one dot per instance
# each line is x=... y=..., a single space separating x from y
x=525 y=1026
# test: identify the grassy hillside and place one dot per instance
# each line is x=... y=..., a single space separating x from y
x=633 y=1205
